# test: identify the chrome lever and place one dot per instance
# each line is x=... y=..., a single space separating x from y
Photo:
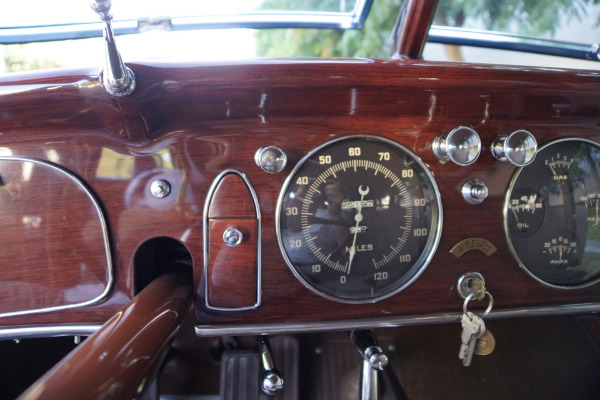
x=374 y=360
x=117 y=79
x=272 y=382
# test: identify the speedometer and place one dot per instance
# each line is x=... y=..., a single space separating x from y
x=358 y=219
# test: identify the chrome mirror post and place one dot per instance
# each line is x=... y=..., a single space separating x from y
x=117 y=79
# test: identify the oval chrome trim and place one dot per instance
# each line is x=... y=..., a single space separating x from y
x=95 y=202
x=209 y=197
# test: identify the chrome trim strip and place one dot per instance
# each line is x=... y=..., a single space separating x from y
x=209 y=197
x=109 y=265
x=387 y=322
x=29 y=332
x=323 y=20
x=20 y=35
x=502 y=41
x=424 y=258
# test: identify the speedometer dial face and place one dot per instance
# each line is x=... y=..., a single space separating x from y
x=552 y=217
x=359 y=219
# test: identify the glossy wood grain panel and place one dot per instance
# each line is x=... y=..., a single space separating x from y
x=187 y=124
x=232 y=199
x=53 y=239
x=233 y=271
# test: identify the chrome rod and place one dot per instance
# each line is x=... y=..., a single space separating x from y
x=373 y=360
x=118 y=80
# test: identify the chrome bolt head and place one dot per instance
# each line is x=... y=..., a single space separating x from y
x=270 y=159
x=160 y=188
x=232 y=236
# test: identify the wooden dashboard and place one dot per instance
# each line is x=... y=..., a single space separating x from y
x=187 y=124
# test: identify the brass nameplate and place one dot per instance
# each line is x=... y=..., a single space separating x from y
x=473 y=243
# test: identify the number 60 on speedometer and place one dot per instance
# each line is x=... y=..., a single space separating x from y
x=358 y=219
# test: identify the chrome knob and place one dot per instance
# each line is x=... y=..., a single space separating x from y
x=232 y=236
x=462 y=146
x=376 y=358
x=474 y=191
x=271 y=383
x=519 y=148
x=270 y=159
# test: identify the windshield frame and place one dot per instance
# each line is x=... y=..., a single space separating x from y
x=255 y=20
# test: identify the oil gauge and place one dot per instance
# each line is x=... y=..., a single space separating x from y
x=525 y=212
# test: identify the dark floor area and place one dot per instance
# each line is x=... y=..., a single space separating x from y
x=535 y=358
x=25 y=361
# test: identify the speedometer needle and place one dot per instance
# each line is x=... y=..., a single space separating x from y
x=358 y=217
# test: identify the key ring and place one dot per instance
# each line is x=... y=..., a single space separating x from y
x=472 y=296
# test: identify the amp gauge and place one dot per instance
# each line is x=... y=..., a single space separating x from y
x=560 y=251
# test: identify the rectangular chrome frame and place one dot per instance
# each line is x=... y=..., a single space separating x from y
x=323 y=20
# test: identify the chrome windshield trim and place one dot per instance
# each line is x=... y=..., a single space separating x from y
x=387 y=322
x=30 y=34
x=259 y=20
x=502 y=41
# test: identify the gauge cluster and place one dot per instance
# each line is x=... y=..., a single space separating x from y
x=551 y=214
x=359 y=218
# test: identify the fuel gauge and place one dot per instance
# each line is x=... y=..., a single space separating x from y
x=526 y=212
x=559 y=163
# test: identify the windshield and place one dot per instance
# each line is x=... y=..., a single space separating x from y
x=551 y=22
x=181 y=30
